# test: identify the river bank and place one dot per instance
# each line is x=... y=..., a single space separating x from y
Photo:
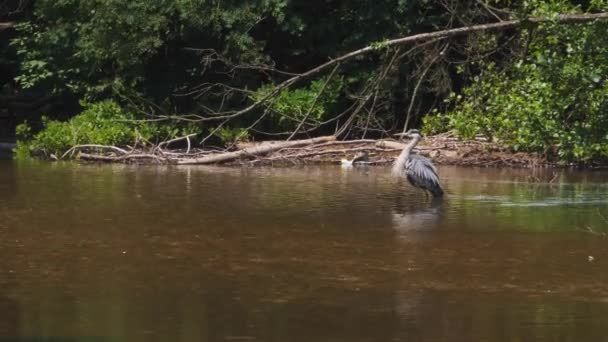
x=443 y=149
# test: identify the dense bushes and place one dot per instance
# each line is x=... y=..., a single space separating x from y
x=315 y=102
x=101 y=123
x=552 y=98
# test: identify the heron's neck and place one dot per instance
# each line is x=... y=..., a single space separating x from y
x=400 y=161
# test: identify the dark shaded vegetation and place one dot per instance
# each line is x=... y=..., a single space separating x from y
x=111 y=72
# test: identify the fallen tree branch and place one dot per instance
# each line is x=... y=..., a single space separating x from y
x=389 y=144
x=254 y=151
x=346 y=142
x=187 y=137
x=6 y=25
x=107 y=147
x=324 y=150
x=88 y=156
x=176 y=140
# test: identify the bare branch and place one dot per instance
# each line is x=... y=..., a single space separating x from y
x=256 y=150
x=503 y=25
x=314 y=103
x=426 y=70
x=88 y=156
x=187 y=137
x=107 y=147
x=422 y=37
x=482 y=3
x=370 y=86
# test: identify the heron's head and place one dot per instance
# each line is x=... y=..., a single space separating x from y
x=410 y=134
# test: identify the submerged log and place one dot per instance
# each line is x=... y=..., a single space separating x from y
x=263 y=148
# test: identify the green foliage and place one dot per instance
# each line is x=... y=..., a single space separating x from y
x=101 y=123
x=554 y=100
x=383 y=44
x=86 y=47
x=435 y=123
x=102 y=40
x=23 y=133
x=291 y=106
x=231 y=136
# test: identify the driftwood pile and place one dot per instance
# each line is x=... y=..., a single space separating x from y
x=442 y=149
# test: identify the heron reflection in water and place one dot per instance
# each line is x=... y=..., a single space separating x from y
x=418 y=170
x=415 y=217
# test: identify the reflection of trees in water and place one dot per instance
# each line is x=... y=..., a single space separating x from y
x=442 y=316
x=10 y=312
x=8 y=193
x=10 y=318
x=231 y=313
x=8 y=181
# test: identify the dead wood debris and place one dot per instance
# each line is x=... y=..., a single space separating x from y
x=442 y=149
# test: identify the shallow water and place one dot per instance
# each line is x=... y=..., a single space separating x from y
x=122 y=253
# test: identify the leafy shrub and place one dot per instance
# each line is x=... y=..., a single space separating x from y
x=292 y=105
x=553 y=101
x=232 y=135
x=101 y=123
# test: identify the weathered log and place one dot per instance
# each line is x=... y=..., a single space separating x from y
x=87 y=156
x=74 y=148
x=390 y=144
x=6 y=25
x=263 y=148
x=395 y=145
x=346 y=142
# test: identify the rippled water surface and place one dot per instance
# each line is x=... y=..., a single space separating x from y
x=123 y=253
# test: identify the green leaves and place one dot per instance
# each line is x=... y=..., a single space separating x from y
x=556 y=101
x=101 y=123
x=230 y=135
x=291 y=106
x=381 y=45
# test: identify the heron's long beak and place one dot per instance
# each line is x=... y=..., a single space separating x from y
x=400 y=135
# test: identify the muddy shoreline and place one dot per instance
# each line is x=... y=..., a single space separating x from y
x=442 y=149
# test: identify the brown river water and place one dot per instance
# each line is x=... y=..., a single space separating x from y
x=127 y=253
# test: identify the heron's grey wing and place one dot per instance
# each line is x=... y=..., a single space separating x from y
x=422 y=170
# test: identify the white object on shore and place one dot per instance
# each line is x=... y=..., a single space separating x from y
x=346 y=163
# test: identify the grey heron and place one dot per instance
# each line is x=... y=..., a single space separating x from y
x=418 y=170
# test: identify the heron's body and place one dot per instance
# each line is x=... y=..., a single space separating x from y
x=418 y=170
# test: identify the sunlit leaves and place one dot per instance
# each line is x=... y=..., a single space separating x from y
x=291 y=106
x=554 y=100
x=101 y=123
